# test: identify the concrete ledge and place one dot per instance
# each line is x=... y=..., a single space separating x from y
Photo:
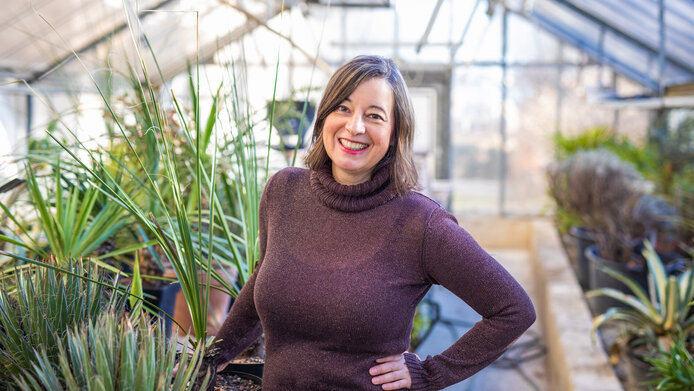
x=497 y=232
x=574 y=360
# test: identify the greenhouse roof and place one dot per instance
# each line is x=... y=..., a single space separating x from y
x=625 y=35
x=39 y=36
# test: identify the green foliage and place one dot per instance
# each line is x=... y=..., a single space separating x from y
x=113 y=352
x=37 y=307
x=70 y=217
x=643 y=158
x=421 y=323
x=663 y=313
x=183 y=212
x=674 y=367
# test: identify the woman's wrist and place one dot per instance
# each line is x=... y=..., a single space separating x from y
x=422 y=380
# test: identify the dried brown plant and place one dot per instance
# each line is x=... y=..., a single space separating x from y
x=602 y=190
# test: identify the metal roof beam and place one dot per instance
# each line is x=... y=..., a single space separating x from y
x=430 y=25
x=622 y=34
x=36 y=76
x=594 y=52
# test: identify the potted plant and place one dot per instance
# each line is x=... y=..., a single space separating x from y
x=601 y=190
x=650 y=319
x=40 y=302
x=114 y=352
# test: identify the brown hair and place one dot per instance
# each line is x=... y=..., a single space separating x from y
x=343 y=82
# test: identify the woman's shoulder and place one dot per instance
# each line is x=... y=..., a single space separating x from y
x=420 y=200
x=287 y=175
x=415 y=200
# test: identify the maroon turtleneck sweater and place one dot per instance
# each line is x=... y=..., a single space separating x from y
x=342 y=269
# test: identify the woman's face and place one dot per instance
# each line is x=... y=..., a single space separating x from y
x=357 y=134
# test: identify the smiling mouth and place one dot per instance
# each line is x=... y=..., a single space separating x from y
x=352 y=145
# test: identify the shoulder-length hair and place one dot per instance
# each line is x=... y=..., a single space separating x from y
x=343 y=82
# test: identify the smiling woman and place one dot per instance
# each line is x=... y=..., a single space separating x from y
x=348 y=249
x=357 y=135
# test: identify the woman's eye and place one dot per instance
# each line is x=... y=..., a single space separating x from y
x=375 y=116
x=341 y=108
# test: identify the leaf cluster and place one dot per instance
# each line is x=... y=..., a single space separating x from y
x=39 y=304
x=112 y=352
x=664 y=312
x=674 y=367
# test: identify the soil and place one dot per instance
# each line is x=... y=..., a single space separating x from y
x=248 y=360
x=235 y=383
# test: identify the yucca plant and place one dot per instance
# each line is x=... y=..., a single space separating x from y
x=114 y=352
x=189 y=222
x=662 y=315
x=73 y=217
x=674 y=367
x=38 y=305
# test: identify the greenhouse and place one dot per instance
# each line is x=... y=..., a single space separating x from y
x=438 y=194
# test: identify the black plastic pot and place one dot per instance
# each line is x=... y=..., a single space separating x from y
x=599 y=279
x=164 y=298
x=582 y=240
x=638 y=371
x=255 y=369
x=243 y=375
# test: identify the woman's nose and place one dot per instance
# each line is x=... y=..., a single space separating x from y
x=355 y=124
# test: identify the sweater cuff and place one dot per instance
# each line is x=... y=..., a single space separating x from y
x=422 y=380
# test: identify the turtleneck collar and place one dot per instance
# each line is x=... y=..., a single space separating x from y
x=351 y=198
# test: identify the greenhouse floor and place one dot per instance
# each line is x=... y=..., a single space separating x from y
x=457 y=317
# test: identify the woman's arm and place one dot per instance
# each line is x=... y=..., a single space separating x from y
x=242 y=325
x=452 y=258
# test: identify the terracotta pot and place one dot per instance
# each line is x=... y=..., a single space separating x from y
x=219 y=303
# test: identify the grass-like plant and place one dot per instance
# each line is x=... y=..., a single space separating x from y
x=661 y=316
x=114 y=352
x=674 y=367
x=38 y=305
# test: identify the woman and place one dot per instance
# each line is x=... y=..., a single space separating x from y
x=348 y=249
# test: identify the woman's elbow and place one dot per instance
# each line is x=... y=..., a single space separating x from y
x=526 y=315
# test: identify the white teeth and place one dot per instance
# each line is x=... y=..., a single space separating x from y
x=352 y=146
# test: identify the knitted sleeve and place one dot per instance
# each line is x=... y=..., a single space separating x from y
x=242 y=326
x=452 y=258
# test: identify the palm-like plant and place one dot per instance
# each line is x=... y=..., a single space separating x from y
x=664 y=314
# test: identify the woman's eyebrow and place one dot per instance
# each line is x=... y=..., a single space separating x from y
x=377 y=107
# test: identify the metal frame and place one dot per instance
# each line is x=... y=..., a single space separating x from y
x=654 y=50
x=599 y=54
x=38 y=75
x=347 y=4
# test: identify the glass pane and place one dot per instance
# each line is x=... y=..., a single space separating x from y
x=474 y=149
x=528 y=43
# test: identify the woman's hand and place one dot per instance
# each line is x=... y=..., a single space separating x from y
x=392 y=373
